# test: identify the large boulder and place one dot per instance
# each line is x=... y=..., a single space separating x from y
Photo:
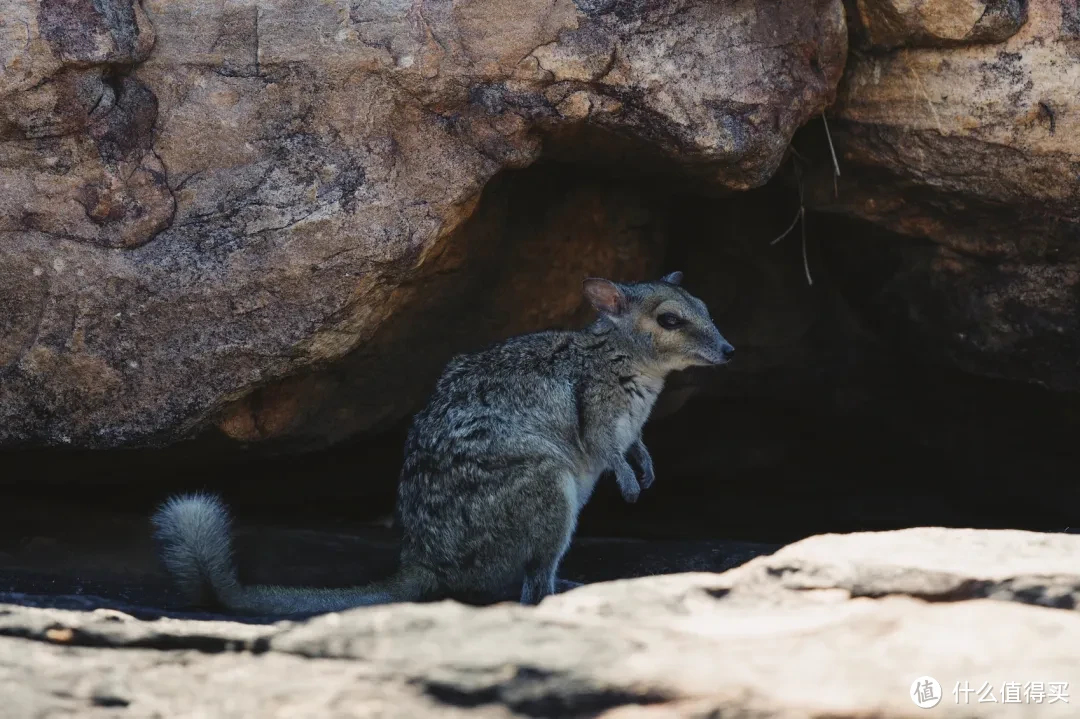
x=838 y=626
x=957 y=138
x=200 y=199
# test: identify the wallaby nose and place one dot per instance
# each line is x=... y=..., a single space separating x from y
x=727 y=351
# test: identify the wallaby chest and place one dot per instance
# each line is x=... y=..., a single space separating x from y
x=638 y=395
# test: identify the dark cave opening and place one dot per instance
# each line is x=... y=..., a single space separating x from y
x=832 y=419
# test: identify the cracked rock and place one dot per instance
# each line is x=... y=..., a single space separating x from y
x=204 y=199
x=960 y=162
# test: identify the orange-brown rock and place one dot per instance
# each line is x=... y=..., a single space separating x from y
x=969 y=152
x=201 y=199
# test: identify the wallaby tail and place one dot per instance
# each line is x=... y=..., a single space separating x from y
x=196 y=547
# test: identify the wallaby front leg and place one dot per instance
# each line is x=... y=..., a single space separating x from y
x=627 y=480
x=639 y=456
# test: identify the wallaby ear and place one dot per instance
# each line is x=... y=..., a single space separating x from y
x=605 y=296
x=675 y=278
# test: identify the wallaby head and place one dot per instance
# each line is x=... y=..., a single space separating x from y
x=668 y=328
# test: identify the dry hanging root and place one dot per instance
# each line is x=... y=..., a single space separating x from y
x=832 y=150
x=800 y=216
x=800 y=219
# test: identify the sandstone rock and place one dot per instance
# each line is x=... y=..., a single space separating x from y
x=887 y=24
x=974 y=148
x=822 y=628
x=203 y=199
x=930 y=563
x=515 y=266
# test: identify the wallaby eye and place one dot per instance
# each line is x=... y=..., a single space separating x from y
x=669 y=321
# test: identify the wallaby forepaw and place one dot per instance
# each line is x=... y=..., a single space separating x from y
x=647 y=477
x=627 y=481
x=642 y=463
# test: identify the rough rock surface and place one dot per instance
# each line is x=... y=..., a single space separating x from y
x=515 y=266
x=888 y=24
x=971 y=148
x=202 y=198
x=837 y=626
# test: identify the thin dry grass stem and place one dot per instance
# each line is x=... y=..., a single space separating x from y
x=828 y=135
x=805 y=257
x=800 y=219
x=835 y=162
x=798 y=216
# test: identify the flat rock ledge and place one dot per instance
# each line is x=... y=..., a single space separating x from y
x=832 y=626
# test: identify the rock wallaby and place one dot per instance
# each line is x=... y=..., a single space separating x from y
x=497 y=465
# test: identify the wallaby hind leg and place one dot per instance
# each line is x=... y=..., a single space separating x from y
x=565 y=585
x=539 y=582
x=553 y=532
x=542 y=580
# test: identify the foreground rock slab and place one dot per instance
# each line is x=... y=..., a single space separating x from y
x=827 y=627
